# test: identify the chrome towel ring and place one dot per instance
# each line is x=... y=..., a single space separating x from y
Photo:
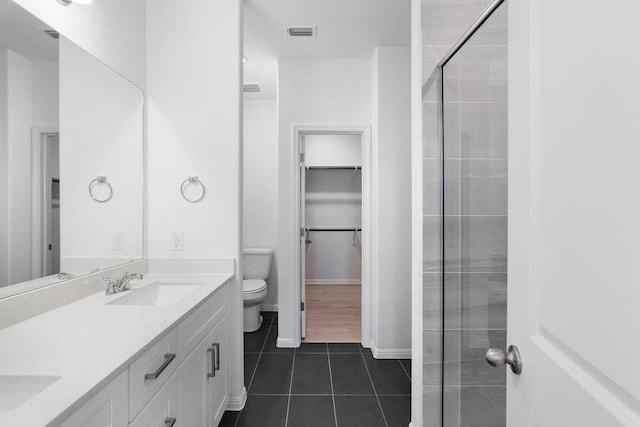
x=101 y=180
x=192 y=180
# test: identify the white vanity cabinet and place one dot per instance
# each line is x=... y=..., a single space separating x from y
x=107 y=408
x=181 y=379
x=203 y=380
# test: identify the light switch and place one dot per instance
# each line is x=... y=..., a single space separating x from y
x=117 y=241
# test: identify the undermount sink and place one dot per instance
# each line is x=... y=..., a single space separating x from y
x=17 y=389
x=158 y=293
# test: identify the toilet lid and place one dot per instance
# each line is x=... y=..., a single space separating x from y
x=253 y=286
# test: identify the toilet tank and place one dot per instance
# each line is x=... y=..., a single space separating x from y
x=256 y=263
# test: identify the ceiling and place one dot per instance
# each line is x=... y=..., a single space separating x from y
x=23 y=33
x=345 y=29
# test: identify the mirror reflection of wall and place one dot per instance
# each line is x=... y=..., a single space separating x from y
x=65 y=119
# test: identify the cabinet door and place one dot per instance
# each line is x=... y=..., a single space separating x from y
x=162 y=410
x=108 y=408
x=219 y=385
x=202 y=389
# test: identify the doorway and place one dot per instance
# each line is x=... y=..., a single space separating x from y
x=46 y=203
x=333 y=201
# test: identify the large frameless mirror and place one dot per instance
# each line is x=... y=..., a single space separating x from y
x=71 y=158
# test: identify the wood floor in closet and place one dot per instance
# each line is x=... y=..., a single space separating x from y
x=333 y=313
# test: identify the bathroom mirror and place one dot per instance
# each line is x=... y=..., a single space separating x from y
x=71 y=158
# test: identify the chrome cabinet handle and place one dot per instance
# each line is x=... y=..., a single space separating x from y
x=169 y=422
x=498 y=358
x=168 y=358
x=212 y=373
x=216 y=365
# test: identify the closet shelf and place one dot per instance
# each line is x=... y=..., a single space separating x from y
x=333 y=197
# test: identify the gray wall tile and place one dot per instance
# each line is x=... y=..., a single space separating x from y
x=475 y=186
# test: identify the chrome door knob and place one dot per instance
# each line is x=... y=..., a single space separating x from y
x=498 y=358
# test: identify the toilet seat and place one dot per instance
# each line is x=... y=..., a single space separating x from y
x=252 y=286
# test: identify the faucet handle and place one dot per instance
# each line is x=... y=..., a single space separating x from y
x=112 y=284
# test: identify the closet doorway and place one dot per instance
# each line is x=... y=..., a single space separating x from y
x=333 y=239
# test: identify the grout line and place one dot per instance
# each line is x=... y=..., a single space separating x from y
x=293 y=365
x=404 y=369
x=374 y=390
x=486 y=396
x=333 y=397
x=264 y=343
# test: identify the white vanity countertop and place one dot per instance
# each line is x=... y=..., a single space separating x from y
x=88 y=343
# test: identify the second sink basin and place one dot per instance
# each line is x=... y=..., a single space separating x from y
x=17 y=389
x=159 y=293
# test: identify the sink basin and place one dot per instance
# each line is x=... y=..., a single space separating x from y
x=17 y=389
x=158 y=293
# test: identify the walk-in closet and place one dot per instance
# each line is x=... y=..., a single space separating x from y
x=332 y=199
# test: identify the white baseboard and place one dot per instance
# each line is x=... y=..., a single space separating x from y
x=237 y=402
x=333 y=282
x=268 y=307
x=287 y=343
x=390 y=353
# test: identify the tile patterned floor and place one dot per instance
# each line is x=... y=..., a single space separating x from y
x=319 y=385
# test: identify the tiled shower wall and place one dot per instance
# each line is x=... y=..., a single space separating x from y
x=443 y=23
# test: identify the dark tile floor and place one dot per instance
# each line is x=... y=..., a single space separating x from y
x=319 y=385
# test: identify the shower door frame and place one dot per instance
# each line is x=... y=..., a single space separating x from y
x=368 y=275
x=437 y=77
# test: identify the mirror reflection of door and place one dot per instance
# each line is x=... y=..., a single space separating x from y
x=52 y=204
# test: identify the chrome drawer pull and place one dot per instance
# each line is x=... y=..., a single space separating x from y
x=216 y=366
x=168 y=358
x=211 y=350
x=169 y=422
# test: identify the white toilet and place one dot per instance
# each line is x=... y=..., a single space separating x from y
x=256 y=265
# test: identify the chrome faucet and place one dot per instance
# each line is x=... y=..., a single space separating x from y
x=115 y=286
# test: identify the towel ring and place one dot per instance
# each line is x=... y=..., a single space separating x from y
x=192 y=180
x=101 y=180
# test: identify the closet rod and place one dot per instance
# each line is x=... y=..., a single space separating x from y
x=332 y=229
x=348 y=168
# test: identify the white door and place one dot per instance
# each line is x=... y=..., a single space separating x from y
x=304 y=236
x=574 y=212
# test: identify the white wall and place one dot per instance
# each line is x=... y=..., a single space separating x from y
x=19 y=113
x=391 y=152
x=30 y=100
x=113 y=30
x=194 y=113
x=46 y=97
x=311 y=91
x=4 y=168
x=260 y=186
x=101 y=135
x=333 y=150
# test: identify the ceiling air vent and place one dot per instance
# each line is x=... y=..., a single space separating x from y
x=301 y=30
x=252 y=88
x=52 y=33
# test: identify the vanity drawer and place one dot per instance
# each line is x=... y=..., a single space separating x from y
x=162 y=410
x=150 y=371
x=195 y=327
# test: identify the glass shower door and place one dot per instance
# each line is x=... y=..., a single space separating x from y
x=474 y=126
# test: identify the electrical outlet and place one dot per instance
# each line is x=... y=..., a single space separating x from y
x=117 y=241
x=176 y=243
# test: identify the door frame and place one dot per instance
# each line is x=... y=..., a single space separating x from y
x=40 y=227
x=297 y=132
